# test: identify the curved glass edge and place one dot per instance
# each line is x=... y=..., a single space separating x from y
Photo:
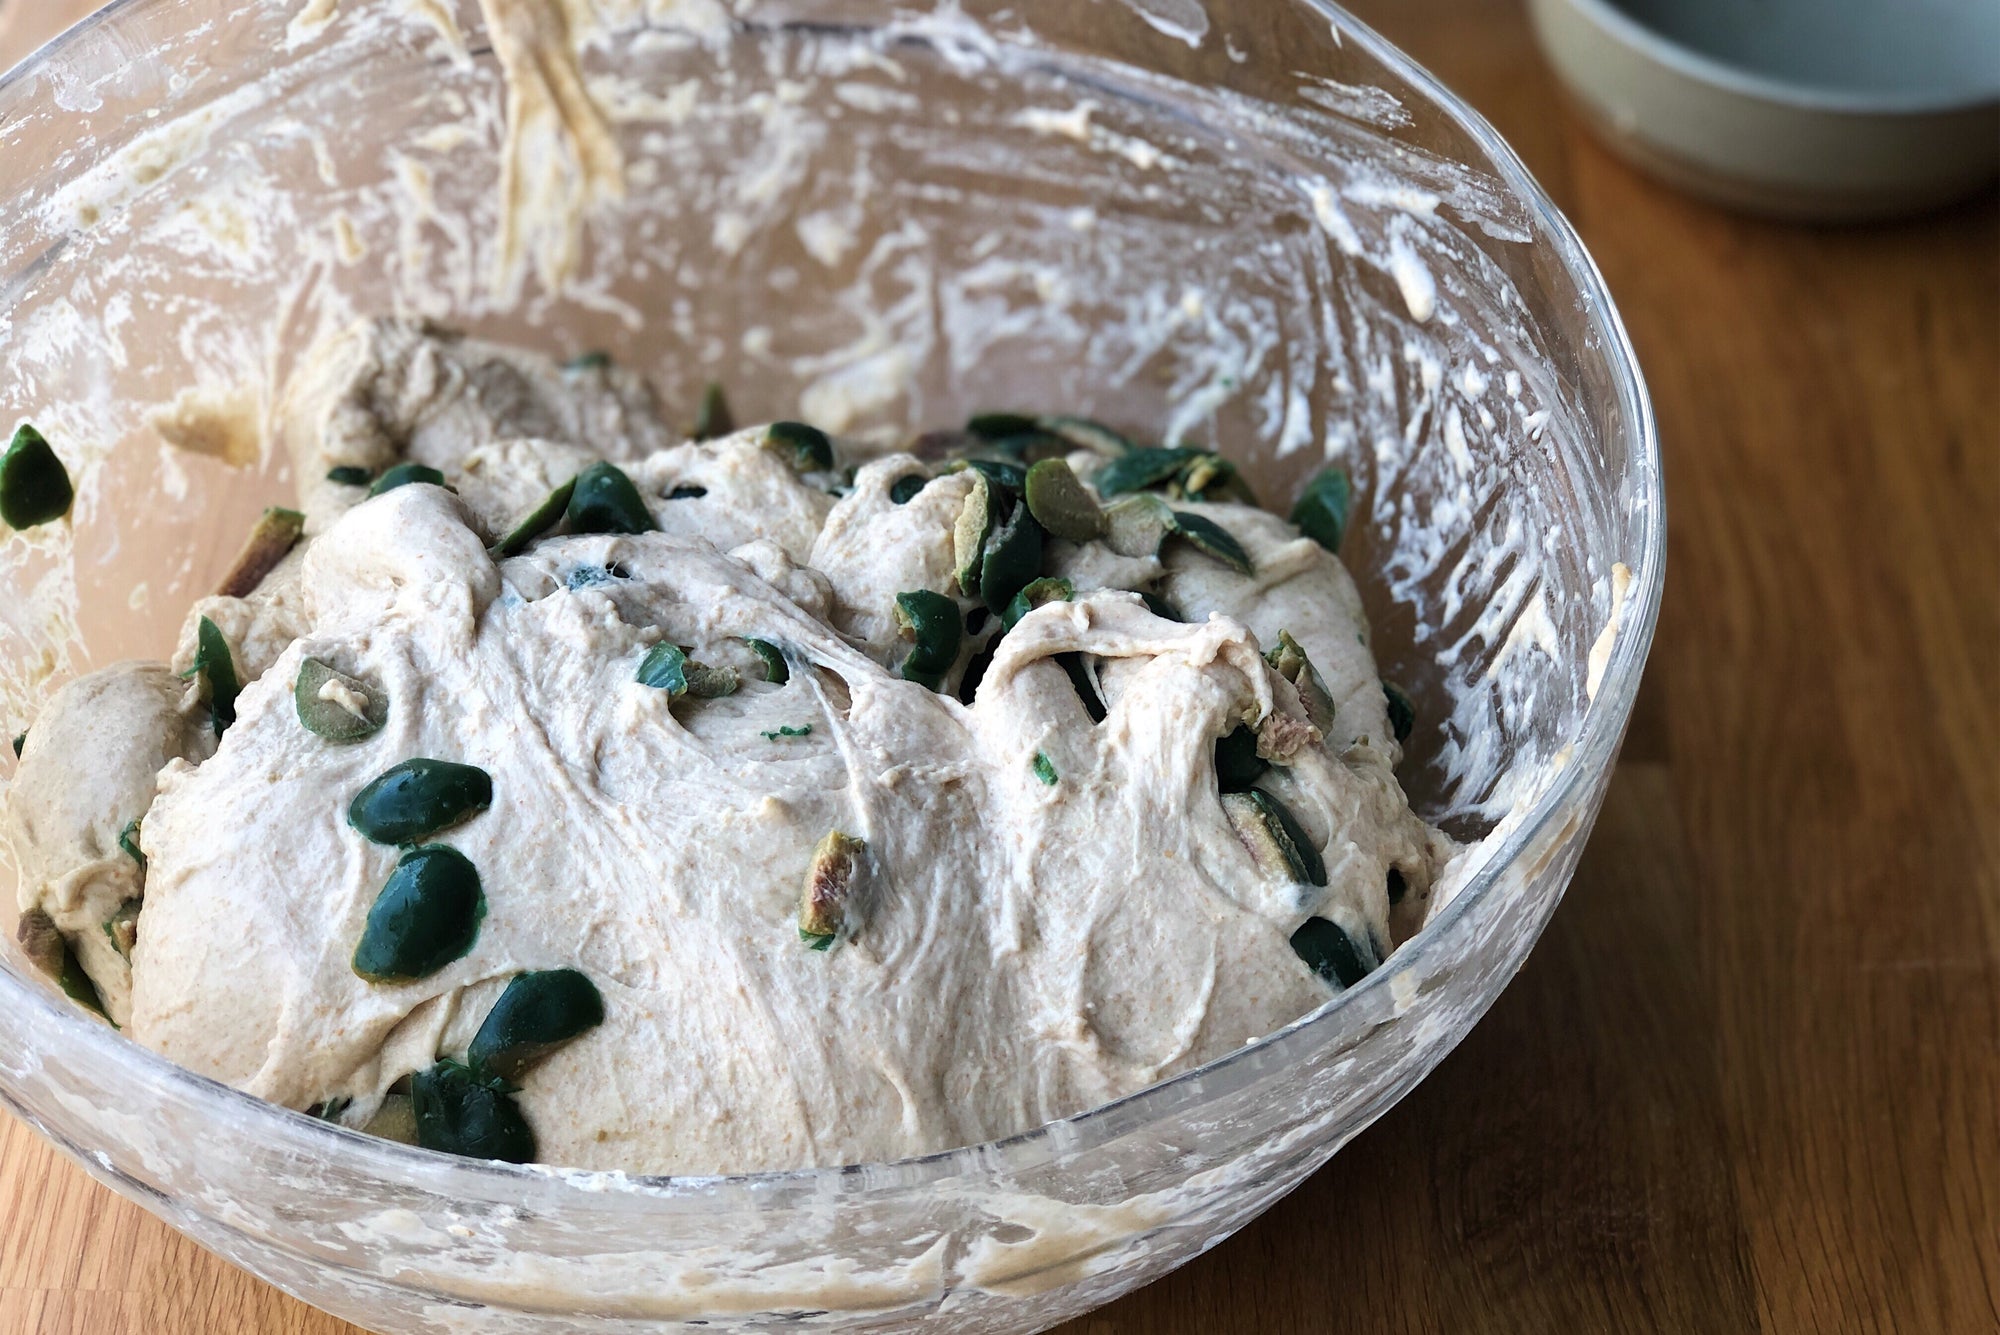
x=1596 y=747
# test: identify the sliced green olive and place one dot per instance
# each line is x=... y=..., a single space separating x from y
x=402 y=475
x=1331 y=953
x=1013 y=558
x=1061 y=504
x=904 y=489
x=665 y=668
x=605 y=501
x=1142 y=468
x=712 y=683
x=1137 y=525
x=1324 y=508
x=688 y=492
x=217 y=671
x=1088 y=435
x=276 y=533
x=49 y=950
x=1276 y=842
x=395 y=1120
x=538 y=1013
x=458 y=1111
x=806 y=448
x=128 y=843
x=414 y=800
x=976 y=520
x=597 y=359
x=713 y=419
x=1022 y=439
x=427 y=915
x=350 y=475
x=1048 y=589
x=34 y=486
x=1000 y=426
x=122 y=927
x=936 y=629
x=1086 y=689
x=1045 y=769
x=335 y=706
x=787 y=730
x=1237 y=764
x=1009 y=475
x=1211 y=478
x=1402 y=711
x=1289 y=661
x=537 y=521
x=828 y=894
x=776 y=670
x=1211 y=539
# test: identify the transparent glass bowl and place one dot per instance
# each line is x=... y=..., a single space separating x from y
x=879 y=219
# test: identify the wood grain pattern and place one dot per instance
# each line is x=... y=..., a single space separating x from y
x=1751 y=1078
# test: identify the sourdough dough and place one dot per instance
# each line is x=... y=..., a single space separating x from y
x=1024 y=949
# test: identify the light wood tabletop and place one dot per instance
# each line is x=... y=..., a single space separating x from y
x=1750 y=1080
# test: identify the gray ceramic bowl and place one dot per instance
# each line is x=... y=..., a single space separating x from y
x=1820 y=109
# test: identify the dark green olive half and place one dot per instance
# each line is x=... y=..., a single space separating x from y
x=605 y=501
x=1000 y=426
x=1211 y=478
x=1010 y=476
x=1160 y=607
x=713 y=419
x=806 y=448
x=1061 y=504
x=1013 y=559
x=322 y=696
x=933 y=623
x=1147 y=466
x=427 y=915
x=665 y=668
x=1402 y=711
x=538 y=1013
x=904 y=489
x=776 y=670
x=402 y=475
x=349 y=475
x=217 y=671
x=419 y=797
x=977 y=519
x=1324 y=508
x=1331 y=953
x=1048 y=589
x=1211 y=539
x=34 y=486
x=1274 y=837
x=1237 y=764
x=537 y=521
x=460 y=1112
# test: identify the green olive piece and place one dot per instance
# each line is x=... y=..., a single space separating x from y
x=665 y=668
x=402 y=475
x=1048 y=589
x=1211 y=539
x=49 y=950
x=776 y=670
x=1324 y=508
x=1137 y=525
x=1010 y=476
x=427 y=915
x=1144 y=468
x=1330 y=952
x=1275 y=840
x=538 y=1013
x=1013 y=559
x=1402 y=711
x=350 y=475
x=460 y=1112
x=933 y=623
x=395 y=1120
x=34 y=486
x=605 y=501
x=1211 y=478
x=128 y=842
x=1021 y=439
x=217 y=671
x=1000 y=426
x=1159 y=606
x=1289 y=661
x=830 y=885
x=904 y=489
x=1237 y=764
x=787 y=730
x=806 y=448
x=713 y=419
x=414 y=800
x=712 y=683
x=1045 y=769
x=123 y=927
x=537 y=521
x=1061 y=504
x=276 y=533
x=335 y=706
x=969 y=536
x=1088 y=435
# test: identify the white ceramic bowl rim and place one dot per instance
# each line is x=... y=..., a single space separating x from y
x=1602 y=731
x=1832 y=99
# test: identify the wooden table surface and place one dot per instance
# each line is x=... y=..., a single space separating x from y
x=1750 y=1080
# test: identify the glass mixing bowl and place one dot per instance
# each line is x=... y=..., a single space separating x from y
x=1252 y=224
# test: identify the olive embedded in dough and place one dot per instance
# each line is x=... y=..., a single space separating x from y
x=459 y=1111
x=335 y=706
x=1048 y=589
x=605 y=501
x=830 y=885
x=1289 y=661
x=1237 y=764
x=712 y=683
x=416 y=799
x=1277 y=843
x=217 y=671
x=933 y=623
x=1137 y=525
x=1211 y=539
x=1144 y=468
x=776 y=671
x=349 y=475
x=904 y=489
x=1061 y=504
x=807 y=448
x=665 y=668
x=34 y=486
x=537 y=521
x=1324 y=508
x=713 y=420
x=128 y=842
x=1211 y=478
x=427 y=916
x=395 y=1120
x=49 y=950
x=403 y=475
x=538 y=1013
x=1013 y=558
x=1335 y=956
x=976 y=520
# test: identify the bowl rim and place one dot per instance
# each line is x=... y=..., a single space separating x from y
x=1831 y=99
x=1593 y=753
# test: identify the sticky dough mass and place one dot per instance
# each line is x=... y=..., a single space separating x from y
x=1020 y=950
